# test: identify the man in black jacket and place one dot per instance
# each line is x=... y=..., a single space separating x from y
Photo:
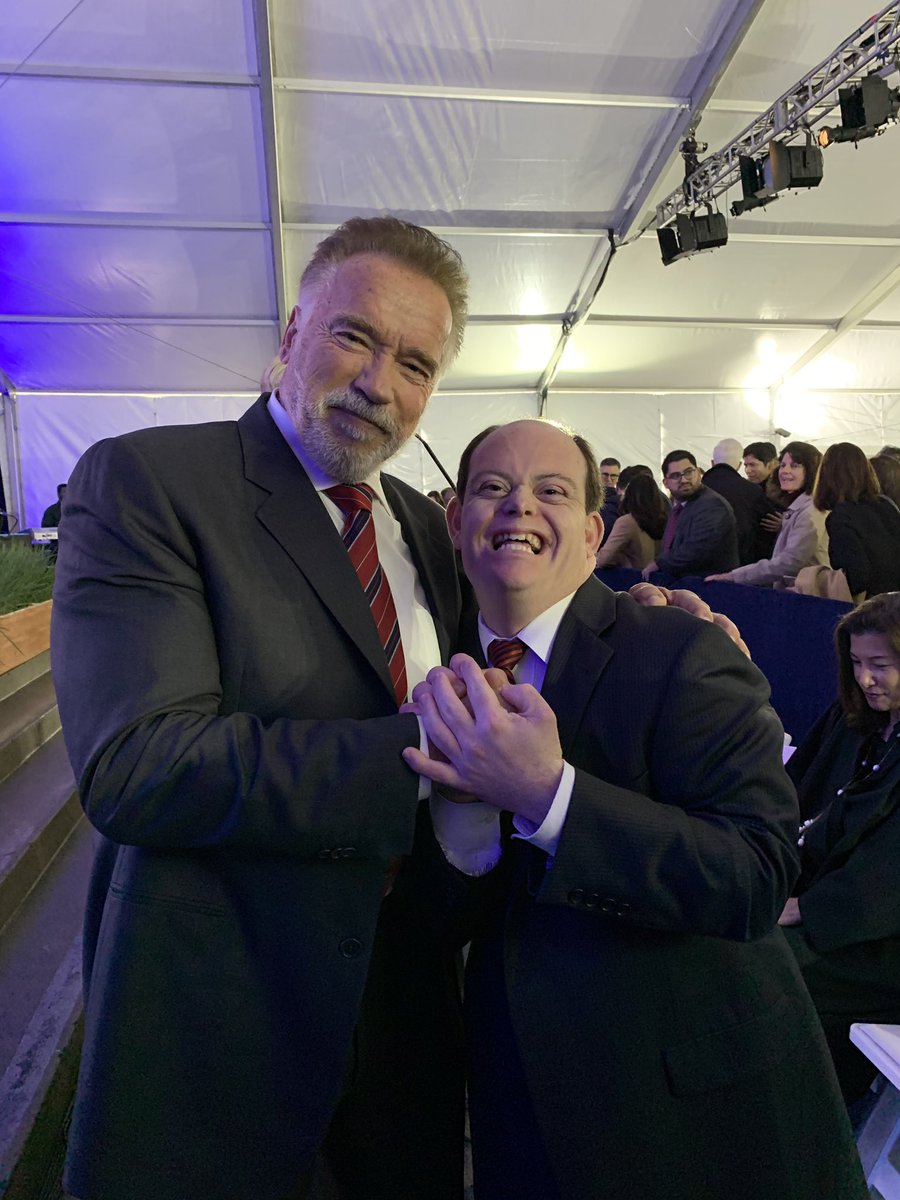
x=747 y=500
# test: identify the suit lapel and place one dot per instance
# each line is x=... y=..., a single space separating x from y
x=290 y=509
x=579 y=657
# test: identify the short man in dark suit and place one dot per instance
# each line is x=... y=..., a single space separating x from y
x=261 y=1022
x=747 y=500
x=638 y=1025
x=701 y=527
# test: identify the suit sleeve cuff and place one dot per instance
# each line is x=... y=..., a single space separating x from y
x=546 y=835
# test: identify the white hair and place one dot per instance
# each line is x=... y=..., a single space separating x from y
x=728 y=451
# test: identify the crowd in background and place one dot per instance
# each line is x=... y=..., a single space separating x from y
x=789 y=512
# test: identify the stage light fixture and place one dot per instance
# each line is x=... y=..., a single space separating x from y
x=865 y=110
x=784 y=167
x=692 y=234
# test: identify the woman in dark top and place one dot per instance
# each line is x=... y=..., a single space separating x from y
x=863 y=525
x=843 y=923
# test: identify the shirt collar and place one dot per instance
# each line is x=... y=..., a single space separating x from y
x=318 y=478
x=538 y=635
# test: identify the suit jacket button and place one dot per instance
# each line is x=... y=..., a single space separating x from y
x=622 y=908
x=576 y=897
x=592 y=900
x=350 y=947
x=337 y=853
x=608 y=906
x=324 y=854
x=348 y=852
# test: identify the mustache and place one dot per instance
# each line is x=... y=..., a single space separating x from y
x=355 y=402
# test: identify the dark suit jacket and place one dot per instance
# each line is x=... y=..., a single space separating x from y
x=705 y=541
x=749 y=505
x=655 y=1013
x=849 y=942
x=228 y=712
x=864 y=539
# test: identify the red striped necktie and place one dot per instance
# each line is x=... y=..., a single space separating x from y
x=506 y=653
x=355 y=502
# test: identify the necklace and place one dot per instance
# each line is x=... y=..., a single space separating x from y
x=869 y=768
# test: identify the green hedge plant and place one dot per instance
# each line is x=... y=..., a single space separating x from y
x=26 y=577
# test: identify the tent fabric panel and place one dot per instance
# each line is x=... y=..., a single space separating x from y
x=142 y=358
x=450 y=423
x=743 y=281
x=785 y=41
x=507 y=275
x=822 y=417
x=55 y=430
x=214 y=36
x=548 y=165
x=502 y=356
x=624 y=427
x=504 y=44
x=633 y=357
x=63 y=270
x=861 y=359
x=87 y=146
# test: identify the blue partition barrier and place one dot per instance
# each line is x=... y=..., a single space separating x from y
x=790 y=637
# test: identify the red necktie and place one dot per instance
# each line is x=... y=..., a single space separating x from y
x=506 y=653
x=669 y=535
x=355 y=502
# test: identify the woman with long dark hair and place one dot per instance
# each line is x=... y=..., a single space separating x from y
x=843 y=921
x=636 y=533
x=803 y=540
x=863 y=526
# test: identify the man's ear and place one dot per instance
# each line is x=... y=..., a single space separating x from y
x=454 y=521
x=593 y=532
x=290 y=332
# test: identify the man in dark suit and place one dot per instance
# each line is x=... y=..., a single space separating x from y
x=638 y=1024
x=701 y=527
x=261 y=1022
x=747 y=500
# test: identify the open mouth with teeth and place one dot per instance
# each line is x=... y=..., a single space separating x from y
x=518 y=543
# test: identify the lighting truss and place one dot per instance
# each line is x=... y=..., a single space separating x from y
x=871 y=49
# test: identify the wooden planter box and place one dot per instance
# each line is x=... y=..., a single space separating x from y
x=24 y=635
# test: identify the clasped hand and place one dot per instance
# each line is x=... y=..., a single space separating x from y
x=495 y=740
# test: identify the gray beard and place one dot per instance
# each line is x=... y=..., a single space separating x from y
x=343 y=461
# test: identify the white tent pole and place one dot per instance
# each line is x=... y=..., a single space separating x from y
x=270 y=148
x=11 y=456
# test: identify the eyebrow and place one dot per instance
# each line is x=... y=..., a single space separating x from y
x=361 y=325
x=538 y=478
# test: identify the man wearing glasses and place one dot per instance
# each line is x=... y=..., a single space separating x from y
x=701 y=528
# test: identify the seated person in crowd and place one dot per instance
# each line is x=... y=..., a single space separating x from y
x=748 y=502
x=843 y=920
x=701 y=532
x=887 y=472
x=803 y=541
x=863 y=526
x=635 y=536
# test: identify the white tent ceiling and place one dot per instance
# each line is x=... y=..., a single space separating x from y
x=169 y=164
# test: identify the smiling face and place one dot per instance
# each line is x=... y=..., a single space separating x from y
x=876 y=669
x=791 y=475
x=525 y=537
x=362 y=354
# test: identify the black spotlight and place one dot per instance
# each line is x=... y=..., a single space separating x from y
x=757 y=190
x=865 y=110
x=793 y=166
x=692 y=234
